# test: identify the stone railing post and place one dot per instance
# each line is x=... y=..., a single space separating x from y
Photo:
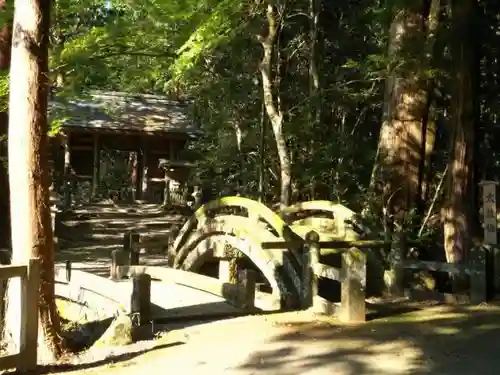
x=310 y=257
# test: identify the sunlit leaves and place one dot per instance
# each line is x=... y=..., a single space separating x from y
x=219 y=26
x=4 y=91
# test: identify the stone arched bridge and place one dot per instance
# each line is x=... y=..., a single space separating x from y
x=226 y=229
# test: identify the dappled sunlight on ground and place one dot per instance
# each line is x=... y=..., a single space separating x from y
x=438 y=340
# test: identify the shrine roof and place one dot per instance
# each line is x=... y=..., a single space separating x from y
x=99 y=111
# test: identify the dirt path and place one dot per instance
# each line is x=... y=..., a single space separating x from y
x=439 y=340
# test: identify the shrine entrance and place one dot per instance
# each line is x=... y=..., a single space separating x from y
x=133 y=153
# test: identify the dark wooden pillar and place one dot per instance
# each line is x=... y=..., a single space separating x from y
x=166 y=190
x=139 y=174
x=96 y=166
x=139 y=171
x=67 y=180
x=144 y=170
x=167 y=196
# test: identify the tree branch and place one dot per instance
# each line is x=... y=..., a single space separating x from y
x=268 y=43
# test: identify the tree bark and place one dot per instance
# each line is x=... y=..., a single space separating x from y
x=5 y=42
x=271 y=102
x=458 y=213
x=28 y=163
x=405 y=136
x=314 y=85
x=5 y=46
x=262 y=146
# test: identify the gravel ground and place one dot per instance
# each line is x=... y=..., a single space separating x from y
x=437 y=340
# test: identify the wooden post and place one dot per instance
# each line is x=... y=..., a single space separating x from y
x=394 y=279
x=489 y=212
x=167 y=199
x=490 y=227
x=139 y=166
x=197 y=195
x=68 y=271
x=310 y=257
x=130 y=241
x=96 y=166
x=67 y=171
x=29 y=318
x=478 y=288
x=141 y=297
x=144 y=168
x=246 y=281
x=352 y=303
x=119 y=259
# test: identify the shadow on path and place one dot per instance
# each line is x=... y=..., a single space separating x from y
x=113 y=359
x=443 y=340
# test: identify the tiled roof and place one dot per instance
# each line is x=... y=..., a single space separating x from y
x=118 y=111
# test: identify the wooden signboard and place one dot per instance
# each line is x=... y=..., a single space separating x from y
x=490 y=212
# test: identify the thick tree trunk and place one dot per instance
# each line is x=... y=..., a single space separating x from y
x=405 y=137
x=5 y=45
x=458 y=213
x=428 y=133
x=5 y=41
x=314 y=85
x=274 y=111
x=28 y=162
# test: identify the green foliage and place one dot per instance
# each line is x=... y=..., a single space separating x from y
x=56 y=126
x=4 y=91
x=219 y=26
x=207 y=50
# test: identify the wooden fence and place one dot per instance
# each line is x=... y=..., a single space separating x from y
x=29 y=274
x=474 y=269
x=352 y=273
x=133 y=243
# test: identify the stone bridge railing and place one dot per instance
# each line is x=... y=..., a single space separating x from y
x=288 y=250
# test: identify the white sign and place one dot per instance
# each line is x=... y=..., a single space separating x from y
x=490 y=212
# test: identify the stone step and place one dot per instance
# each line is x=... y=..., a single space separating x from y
x=109 y=223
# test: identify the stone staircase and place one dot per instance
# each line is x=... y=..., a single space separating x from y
x=89 y=233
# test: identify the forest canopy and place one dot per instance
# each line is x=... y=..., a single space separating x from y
x=387 y=107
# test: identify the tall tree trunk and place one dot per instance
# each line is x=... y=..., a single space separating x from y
x=238 y=133
x=28 y=162
x=458 y=213
x=314 y=86
x=272 y=103
x=403 y=135
x=262 y=146
x=5 y=45
x=428 y=133
x=5 y=42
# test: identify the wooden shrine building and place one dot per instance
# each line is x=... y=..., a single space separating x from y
x=154 y=129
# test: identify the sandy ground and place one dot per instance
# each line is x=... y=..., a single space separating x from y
x=438 y=340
